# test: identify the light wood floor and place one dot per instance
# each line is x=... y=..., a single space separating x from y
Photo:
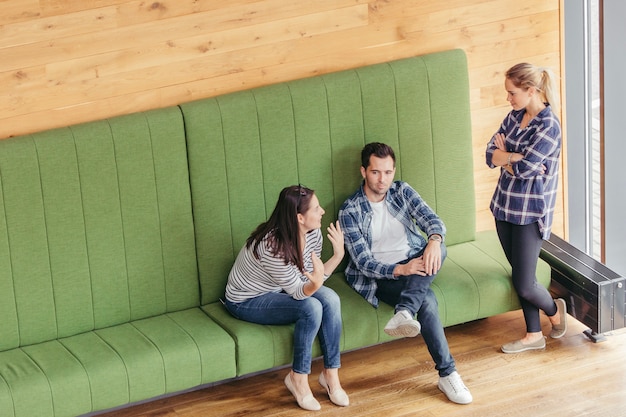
x=571 y=377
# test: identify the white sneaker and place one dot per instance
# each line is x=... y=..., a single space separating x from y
x=402 y=324
x=454 y=388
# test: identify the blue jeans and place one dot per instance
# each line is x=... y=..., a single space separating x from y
x=318 y=315
x=413 y=293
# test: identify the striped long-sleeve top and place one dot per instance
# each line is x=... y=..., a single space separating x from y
x=251 y=276
x=528 y=195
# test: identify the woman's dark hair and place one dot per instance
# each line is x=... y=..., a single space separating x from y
x=281 y=229
x=377 y=149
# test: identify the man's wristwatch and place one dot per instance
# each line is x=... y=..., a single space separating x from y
x=435 y=237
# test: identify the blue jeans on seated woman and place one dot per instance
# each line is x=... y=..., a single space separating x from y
x=413 y=293
x=318 y=315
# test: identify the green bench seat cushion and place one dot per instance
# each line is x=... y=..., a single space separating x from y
x=475 y=281
x=261 y=347
x=118 y=365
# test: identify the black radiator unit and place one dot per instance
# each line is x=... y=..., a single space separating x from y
x=595 y=295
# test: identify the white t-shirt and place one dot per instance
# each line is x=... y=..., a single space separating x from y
x=389 y=241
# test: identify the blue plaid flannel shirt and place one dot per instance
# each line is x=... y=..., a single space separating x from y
x=528 y=196
x=355 y=218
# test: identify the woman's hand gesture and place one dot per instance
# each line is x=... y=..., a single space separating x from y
x=335 y=235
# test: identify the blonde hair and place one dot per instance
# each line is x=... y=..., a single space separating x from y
x=526 y=75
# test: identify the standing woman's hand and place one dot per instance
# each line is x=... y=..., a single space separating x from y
x=500 y=141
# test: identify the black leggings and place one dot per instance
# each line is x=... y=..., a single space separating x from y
x=522 y=245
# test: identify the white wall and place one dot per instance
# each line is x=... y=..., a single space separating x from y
x=615 y=134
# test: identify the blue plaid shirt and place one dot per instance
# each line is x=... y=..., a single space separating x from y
x=528 y=196
x=355 y=218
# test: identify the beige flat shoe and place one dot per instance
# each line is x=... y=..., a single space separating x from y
x=308 y=402
x=518 y=346
x=338 y=396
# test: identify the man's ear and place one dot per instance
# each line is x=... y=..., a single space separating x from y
x=363 y=172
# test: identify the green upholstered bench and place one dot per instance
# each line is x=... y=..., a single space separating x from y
x=99 y=297
x=117 y=236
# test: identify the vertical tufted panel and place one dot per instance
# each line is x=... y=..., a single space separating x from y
x=278 y=150
x=346 y=130
x=28 y=255
x=313 y=139
x=211 y=207
x=452 y=151
x=150 y=156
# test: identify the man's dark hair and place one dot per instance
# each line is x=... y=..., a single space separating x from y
x=380 y=150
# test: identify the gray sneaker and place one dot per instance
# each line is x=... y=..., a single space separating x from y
x=454 y=388
x=402 y=324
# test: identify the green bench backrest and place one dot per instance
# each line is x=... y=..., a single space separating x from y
x=95 y=227
x=245 y=147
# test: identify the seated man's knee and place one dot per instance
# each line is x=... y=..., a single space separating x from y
x=430 y=305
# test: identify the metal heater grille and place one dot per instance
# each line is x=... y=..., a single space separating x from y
x=595 y=295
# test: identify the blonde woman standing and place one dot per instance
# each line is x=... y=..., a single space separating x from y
x=527 y=148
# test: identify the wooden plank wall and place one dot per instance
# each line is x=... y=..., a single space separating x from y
x=69 y=61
